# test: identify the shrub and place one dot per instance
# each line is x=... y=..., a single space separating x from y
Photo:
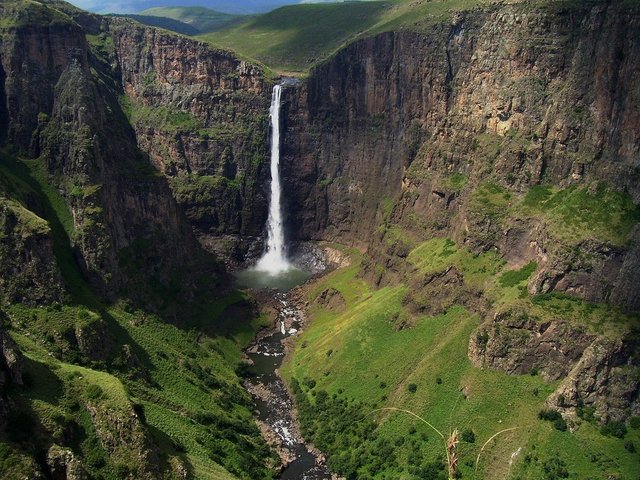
x=555 y=468
x=482 y=338
x=553 y=416
x=412 y=387
x=138 y=408
x=513 y=277
x=439 y=380
x=586 y=413
x=614 y=429
x=629 y=446
x=310 y=383
x=634 y=422
x=94 y=392
x=468 y=436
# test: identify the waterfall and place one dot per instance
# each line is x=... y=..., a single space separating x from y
x=274 y=260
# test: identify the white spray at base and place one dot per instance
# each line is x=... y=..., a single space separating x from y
x=274 y=261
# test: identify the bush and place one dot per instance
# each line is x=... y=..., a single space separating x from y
x=553 y=416
x=586 y=413
x=138 y=408
x=439 y=380
x=634 y=422
x=412 y=387
x=310 y=383
x=555 y=468
x=468 y=436
x=614 y=429
x=629 y=446
x=94 y=392
x=512 y=278
x=482 y=338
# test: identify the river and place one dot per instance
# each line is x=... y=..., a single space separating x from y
x=273 y=402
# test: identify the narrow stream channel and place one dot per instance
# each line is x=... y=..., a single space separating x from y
x=273 y=402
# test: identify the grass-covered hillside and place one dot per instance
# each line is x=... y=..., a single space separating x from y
x=126 y=392
x=202 y=19
x=293 y=38
x=408 y=348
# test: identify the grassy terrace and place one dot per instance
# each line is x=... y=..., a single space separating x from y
x=425 y=369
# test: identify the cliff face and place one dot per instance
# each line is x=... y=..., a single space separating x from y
x=354 y=127
x=28 y=269
x=445 y=132
x=202 y=116
x=595 y=371
x=62 y=105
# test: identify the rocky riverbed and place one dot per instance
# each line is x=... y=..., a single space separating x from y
x=275 y=408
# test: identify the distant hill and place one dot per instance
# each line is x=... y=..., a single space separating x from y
x=197 y=19
x=236 y=7
x=161 y=22
x=294 y=37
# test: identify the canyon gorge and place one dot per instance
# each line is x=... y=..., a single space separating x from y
x=471 y=176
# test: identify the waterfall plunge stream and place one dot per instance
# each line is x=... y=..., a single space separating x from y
x=274 y=261
x=274 y=271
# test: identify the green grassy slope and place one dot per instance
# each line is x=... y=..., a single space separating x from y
x=162 y=22
x=419 y=363
x=291 y=39
x=182 y=379
x=203 y=19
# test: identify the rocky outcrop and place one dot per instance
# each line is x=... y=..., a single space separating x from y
x=595 y=371
x=595 y=271
x=607 y=379
x=29 y=273
x=330 y=298
x=95 y=341
x=434 y=293
x=11 y=360
x=125 y=440
x=64 y=465
x=518 y=343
